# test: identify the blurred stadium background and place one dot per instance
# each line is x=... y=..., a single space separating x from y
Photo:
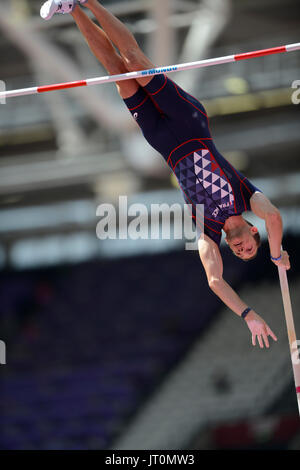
x=103 y=350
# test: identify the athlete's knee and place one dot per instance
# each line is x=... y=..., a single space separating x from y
x=135 y=59
x=115 y=65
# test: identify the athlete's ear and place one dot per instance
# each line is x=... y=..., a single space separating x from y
x=253 y=230
x=226 y=241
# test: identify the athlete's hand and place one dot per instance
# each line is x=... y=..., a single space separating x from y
x=259 y=329
x=284 y=261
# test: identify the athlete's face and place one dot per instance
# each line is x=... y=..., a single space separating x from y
x=243 y=244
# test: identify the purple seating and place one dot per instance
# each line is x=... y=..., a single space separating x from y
x=97 y=339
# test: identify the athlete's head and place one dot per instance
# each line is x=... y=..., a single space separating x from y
x=244 y=241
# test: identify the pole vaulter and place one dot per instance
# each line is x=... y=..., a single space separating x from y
x=176 y=125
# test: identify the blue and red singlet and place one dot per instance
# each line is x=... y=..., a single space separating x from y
x=176 y=125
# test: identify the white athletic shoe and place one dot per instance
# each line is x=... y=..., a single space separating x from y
x=51 y=7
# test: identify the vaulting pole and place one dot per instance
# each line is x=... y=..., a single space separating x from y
x=285 y=292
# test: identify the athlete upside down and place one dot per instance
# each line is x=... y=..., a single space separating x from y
x=176 y=125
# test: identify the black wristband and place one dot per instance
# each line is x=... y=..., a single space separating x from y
x=245 y=312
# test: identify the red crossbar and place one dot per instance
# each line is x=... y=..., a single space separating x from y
x=251 y=55
x=61 y=86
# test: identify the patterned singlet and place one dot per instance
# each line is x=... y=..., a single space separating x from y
x=176 y=125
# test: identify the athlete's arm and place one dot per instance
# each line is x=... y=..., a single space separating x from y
x=213 y=264
x=263 y=208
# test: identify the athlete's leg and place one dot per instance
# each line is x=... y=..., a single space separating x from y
x=123 y=39
x=171 y=99
x=135 y=97
x=105 y=52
